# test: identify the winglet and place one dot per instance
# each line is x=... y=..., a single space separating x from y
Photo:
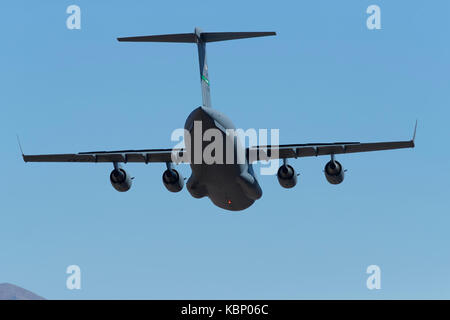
x=414 y=135
x=20 y=147
x=415 y=129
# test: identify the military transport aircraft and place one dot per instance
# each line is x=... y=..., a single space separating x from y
x=229 y=186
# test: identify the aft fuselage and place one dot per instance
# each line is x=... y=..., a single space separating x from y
x=230 y=183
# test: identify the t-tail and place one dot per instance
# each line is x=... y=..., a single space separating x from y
x=200 y=38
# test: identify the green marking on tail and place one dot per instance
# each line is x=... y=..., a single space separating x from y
x=205 y=79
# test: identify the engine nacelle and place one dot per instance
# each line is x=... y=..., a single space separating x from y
x=334 y=172
x=173 y=180
x=287 y=177
x=120 y=180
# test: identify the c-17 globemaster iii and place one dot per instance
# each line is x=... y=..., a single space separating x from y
x=231 y=186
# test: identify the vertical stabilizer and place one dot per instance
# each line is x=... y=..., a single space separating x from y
x=203 y=64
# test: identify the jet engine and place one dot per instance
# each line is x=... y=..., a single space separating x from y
x=120 y=179
x=173 y=180
x=334 y=172
x=287 y=176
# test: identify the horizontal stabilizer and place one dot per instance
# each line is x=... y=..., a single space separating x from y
x=222 y=36
x=192 y=37
x=178 y=37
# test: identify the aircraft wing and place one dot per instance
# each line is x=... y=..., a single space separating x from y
x=318 y=149
x=144 y=156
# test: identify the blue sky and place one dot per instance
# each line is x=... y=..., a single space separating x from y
x=324 y=78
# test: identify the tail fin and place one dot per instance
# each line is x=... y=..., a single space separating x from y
x=201 y=38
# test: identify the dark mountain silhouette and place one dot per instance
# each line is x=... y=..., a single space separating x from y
x=11 y=292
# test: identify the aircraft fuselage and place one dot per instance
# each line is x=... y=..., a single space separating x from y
x=231 y=186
